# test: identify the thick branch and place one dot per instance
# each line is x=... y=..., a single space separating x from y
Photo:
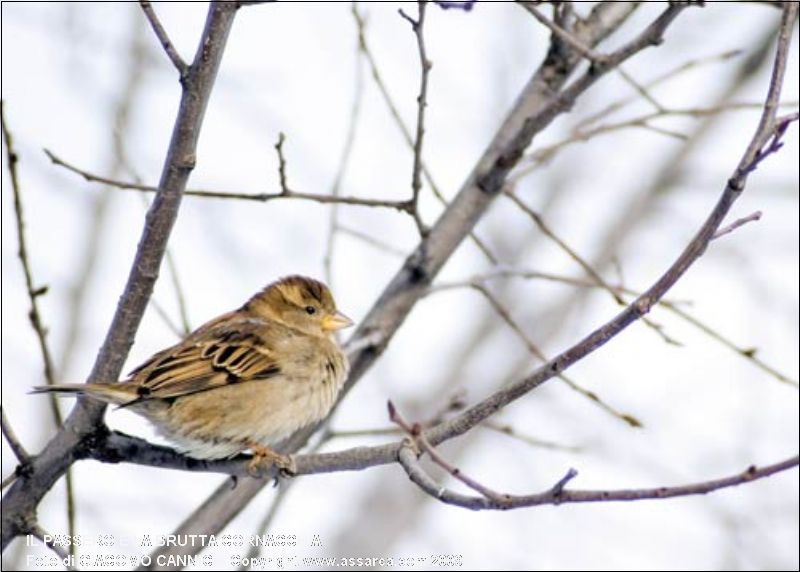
x=119 y=447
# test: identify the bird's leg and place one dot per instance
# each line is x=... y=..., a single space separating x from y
x=264 y=457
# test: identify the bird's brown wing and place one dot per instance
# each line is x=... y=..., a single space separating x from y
x=219 y=354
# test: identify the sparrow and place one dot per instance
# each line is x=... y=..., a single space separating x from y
x=245 y=380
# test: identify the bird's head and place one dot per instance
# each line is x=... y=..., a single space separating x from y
x=302 y=303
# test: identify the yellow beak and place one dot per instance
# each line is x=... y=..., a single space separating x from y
x=335 y=322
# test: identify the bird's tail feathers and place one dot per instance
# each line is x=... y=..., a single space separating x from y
x=115 y=393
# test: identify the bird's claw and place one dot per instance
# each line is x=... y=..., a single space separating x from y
x=265 y=459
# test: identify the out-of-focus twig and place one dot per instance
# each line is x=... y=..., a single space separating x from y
x=344 y=161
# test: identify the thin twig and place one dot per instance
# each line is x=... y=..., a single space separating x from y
x=558 y=495
x=581 y=135
x=180 y=297
x=33 y=291
x=22 y=498
x=563 y=34
x=9 y=479
x=671 y=305
x=592 y=396
x=593 y=274
x=33 y=294
x=372 y=241
x=508 y=430
x=162 y=36
x=47 y=540
x=344 y=161
x=16 y=446
x=172 y=326
x=418 y=26
x=750 y=354
x=279 y=499
x=282 y=163
x=666 y=76
x=421 y=444
x=736 y=224
x=377 y=77
x=640 y=89
x=285 y=193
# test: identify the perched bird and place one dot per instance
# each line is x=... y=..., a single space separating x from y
x=245 y=380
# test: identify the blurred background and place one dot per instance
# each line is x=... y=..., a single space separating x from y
x=90 y=83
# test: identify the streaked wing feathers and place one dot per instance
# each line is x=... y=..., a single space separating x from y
x=215 y=357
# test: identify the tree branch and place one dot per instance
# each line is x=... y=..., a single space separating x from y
x=21 y=500
x=556 y=494
x=540 y=102
x=418 y=27
x=284 y=193
x=162 y=36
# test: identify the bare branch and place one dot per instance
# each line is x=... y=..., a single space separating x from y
x=377 y=77
x=642 y=305
x=558 y=495
x=180 y=297
x=580 y=135
x=8 y=432
x=47 y=540
x=344 y=161
x=420 y=444
x=542 y=100
x=593 y=274
x=736 y=224
x=22 y=498
x=284 y=193
x=34 y=315
x=162 y=36
x=640 y=89
x=671 y=305
x=506 y=429
x=418 y=27
x=562 y=34
x=33 y=291
x=535 y=350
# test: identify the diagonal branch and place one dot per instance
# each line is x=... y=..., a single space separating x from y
x=762 y=140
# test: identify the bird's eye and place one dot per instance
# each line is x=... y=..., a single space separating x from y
x=311 y=310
